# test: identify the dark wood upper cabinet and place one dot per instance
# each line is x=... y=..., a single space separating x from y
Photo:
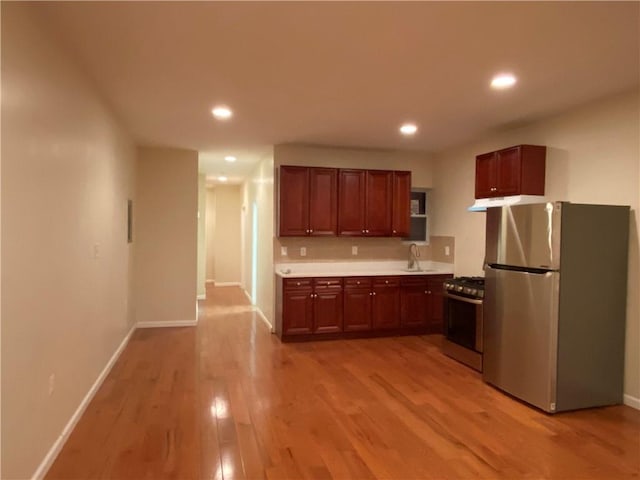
x=379 y=203
x=323 y=201
x=518 y=170
x=308 y=201
x=351 y=202
x=294 y=201
x=401 y=201
x=348 y=202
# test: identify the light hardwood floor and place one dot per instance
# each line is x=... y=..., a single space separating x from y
x=228 y=400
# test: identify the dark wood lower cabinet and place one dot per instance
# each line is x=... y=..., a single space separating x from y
x=357 y=304
x=327 y=310
x=414 y=302
x=385 y=310
x=324 y=308
x=435 y=312
x=298 y=312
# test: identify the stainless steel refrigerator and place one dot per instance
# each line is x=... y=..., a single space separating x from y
x=555 y=303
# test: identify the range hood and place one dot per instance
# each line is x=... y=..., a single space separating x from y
x=481 y=204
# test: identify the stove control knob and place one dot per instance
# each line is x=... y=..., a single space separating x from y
x=473 y=291
x=459 y=288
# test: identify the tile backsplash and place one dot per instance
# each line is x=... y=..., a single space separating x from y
x=327 y=249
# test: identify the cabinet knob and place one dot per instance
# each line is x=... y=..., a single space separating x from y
x=374 y=293
x=357 y=283
x=298 y=283
x=370 y=293
x=493 y=189
x=395 y=231
x=386 y=281
x=362 y=231
x=367 y=231
x=310 y=231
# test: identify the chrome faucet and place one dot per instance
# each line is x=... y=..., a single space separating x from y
x=414 y=253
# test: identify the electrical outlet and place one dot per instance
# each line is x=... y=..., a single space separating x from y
x=283 y=251
x=303 y=251
x=447 y=251
x=354 y=250
x=52 y=383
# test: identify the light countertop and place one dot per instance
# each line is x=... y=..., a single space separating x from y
x=359 y=269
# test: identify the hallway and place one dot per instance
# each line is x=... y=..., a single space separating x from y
x=228 y=400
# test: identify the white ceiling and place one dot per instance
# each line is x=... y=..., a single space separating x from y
x=343 y=73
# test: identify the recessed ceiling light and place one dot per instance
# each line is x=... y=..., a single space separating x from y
x=503 y=80
x=222 y=112
x=222 y=178
x=230 y=158
x=408 y=129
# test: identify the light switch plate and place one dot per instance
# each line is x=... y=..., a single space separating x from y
x=303 y=251
x=354 y=250
x=447 y=251
x=283 y=251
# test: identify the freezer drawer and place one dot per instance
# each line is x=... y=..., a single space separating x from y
x=521 y=334
x=524 y=235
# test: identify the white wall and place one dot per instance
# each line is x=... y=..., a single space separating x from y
x=210 y=234
x=259 y=189
x=224 y=244
x=202 y=239
x=167 y=235
x=419 y=163
x=593 y=157
x=67 y=172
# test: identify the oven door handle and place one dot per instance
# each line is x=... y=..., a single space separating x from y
x=463 y=299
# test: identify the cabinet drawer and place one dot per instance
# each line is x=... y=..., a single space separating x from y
x=297 y=283
x=412 y=281
x=357 y=282
x=328 y=282
x=386 y=282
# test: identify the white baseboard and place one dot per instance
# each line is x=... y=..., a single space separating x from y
x=264 y=319
x=53 y=452
x=227 y=284
x=169 y=323
x=202 y=296
x=248 y=296
x=210 y=280
x=632 y=402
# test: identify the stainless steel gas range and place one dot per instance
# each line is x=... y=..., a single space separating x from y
x=463 y=320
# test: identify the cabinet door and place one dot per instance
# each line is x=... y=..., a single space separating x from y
x=435 y=307
x=508 y=172
x=400 y=215
x=351 y=202
x=297 y=312
x=357 y=309
x=327 y=310
x=323 y=201
x=385 y=311
x=294 y=201
x=413 y=305
x=379 y=204
x=485 y=175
